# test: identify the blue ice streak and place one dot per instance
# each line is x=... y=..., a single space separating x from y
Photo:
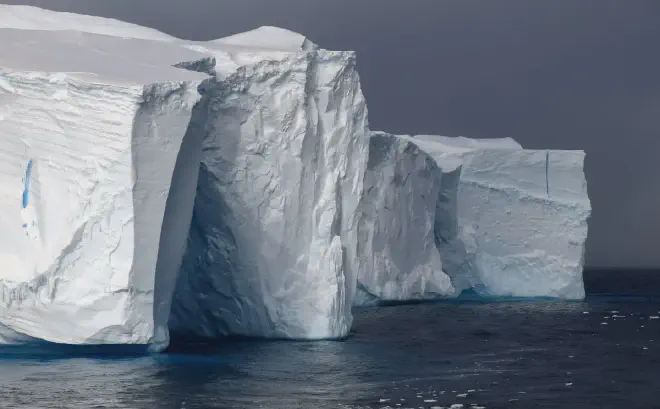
x=26 y=189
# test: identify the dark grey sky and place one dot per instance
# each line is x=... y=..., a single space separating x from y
x=563 y=74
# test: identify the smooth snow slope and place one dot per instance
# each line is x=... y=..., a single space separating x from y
x=35 y=18
x=522 y=217
x=91 y=129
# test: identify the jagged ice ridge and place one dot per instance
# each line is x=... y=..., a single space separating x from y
x=149 y=184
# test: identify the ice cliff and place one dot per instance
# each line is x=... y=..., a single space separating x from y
x=278 y=140
x=273 y=243
x=516 y=221
x=149 y=184
x=88 y=151
x=400 y=260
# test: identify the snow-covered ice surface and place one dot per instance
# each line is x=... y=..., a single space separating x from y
x=396 y=233
x=91 y=129
x=35 y=18
x=268 y=37
x=521 y=217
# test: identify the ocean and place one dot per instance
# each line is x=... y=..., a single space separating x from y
x=603 y=352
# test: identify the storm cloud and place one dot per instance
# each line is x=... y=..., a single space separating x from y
x=562 y=74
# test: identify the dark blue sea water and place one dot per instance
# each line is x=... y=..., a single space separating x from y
x=600 y=353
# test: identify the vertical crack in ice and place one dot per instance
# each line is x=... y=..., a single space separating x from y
x=26 y=186
x=547 y=165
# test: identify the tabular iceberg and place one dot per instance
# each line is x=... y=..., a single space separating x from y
x=149 y=183
x=284 y=149
x=521 y=217
x=89 y=147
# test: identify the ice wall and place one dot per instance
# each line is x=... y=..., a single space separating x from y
x=400 y=260
x=273 y=248
x=271 y=86
x=90 y=139
x=522 y=217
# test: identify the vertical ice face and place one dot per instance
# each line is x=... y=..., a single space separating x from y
x=273 y=248
x=397 y=248
x=522 y=217
x=530 y=231
x=284 y=119
x=89 y=146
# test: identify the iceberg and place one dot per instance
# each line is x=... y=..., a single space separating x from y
x=520 y=217
x=91 y=127
x=273 y=243
x=280 y=130
x=150 y=184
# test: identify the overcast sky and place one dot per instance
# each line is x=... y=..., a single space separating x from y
x=562 y=74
